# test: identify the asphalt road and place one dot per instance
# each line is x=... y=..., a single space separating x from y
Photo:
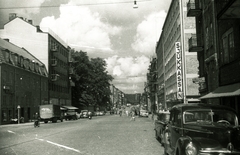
x=108 y=135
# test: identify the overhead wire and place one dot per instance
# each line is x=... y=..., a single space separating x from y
x=52 y=6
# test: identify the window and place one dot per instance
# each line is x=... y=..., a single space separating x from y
x=227 y=54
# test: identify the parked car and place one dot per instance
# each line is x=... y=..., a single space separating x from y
x=101 y=113
x=143 y=113
x=202 y=129
x=160 y=125
x=84 y=114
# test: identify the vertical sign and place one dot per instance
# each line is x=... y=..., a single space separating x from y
x=179 y=70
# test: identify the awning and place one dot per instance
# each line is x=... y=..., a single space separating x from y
x=224 y=91
x=63 y=108
x=70 y=107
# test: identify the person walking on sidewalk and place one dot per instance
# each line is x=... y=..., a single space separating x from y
x=132 y=116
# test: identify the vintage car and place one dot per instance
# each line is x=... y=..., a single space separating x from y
x=202 y=129
x=84 y=114
x=160 y=124
x=143 y=113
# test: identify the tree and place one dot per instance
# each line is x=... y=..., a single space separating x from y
x=92 y=81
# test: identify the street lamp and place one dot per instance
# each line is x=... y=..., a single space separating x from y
x=135 y=6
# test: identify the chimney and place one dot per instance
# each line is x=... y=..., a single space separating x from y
x=30 y=22
x=6 y=39
x=12 y=16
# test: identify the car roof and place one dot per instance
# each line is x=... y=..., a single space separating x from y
x=201 y=106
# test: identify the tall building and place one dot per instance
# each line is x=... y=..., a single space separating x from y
x=216 y=43
x=177 y=66
x=49 y=49
x=23 y=83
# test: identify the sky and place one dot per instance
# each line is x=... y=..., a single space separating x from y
x=125 y=37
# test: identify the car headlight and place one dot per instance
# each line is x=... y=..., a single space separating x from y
x=191 y=149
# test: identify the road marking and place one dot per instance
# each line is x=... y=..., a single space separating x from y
x=59 y=145
x=11 y=132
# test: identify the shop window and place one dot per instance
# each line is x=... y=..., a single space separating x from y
x=4 y=116
x=227 y=54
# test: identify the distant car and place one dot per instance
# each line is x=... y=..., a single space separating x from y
x=84 y=114
x=97 y=113
x=144 y=113
x=78 y=115
x=101 y=113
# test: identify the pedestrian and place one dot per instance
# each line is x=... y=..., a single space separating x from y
x=36 y=121
x=132 y=116
x=120 y=112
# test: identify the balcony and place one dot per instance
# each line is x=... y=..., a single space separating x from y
x=54 y=48
x=192 y=11
x=54 y=77
x=54 y=62
x=70 y=70
x=192 y=44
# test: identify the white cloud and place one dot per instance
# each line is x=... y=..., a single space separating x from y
x=129 y=72
x=128 y=66
x=148 y=32
x=80 y=27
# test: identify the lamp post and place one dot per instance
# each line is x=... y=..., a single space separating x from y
x=18 y=107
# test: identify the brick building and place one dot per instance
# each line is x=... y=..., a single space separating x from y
x=216 y=43
x=23 y=83
x=48 y=48
x=177 y=67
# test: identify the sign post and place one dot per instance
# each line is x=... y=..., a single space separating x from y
x=18 y=107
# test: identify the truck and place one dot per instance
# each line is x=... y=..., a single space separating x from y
x=70 y=112
x=51 y=113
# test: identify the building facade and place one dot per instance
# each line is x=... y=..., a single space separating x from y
x=177 y=67
x=152 y=86
x=48 y=48
x=216 y=44
x=23 y=83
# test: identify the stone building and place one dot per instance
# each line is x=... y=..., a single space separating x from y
x=23 y=83
x=49 y=49
x=216 y=43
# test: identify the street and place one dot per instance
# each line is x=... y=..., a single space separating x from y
x=109 y=134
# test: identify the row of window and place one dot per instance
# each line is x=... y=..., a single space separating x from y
x=58 y=88
x=62 y=50
x=23 y=80
x=25 y=63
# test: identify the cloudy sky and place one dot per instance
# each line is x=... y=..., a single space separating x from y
x=110 y=29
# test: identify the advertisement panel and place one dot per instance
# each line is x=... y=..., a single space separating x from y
x=179 y=71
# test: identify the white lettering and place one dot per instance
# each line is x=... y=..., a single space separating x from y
x=179 y=70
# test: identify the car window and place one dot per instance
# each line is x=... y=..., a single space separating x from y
x=176 y=118
x=209 y=117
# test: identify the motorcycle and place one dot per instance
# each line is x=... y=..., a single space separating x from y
x=89 y=117
x=36 y=124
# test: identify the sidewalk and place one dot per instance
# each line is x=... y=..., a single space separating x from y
x=21 y=124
